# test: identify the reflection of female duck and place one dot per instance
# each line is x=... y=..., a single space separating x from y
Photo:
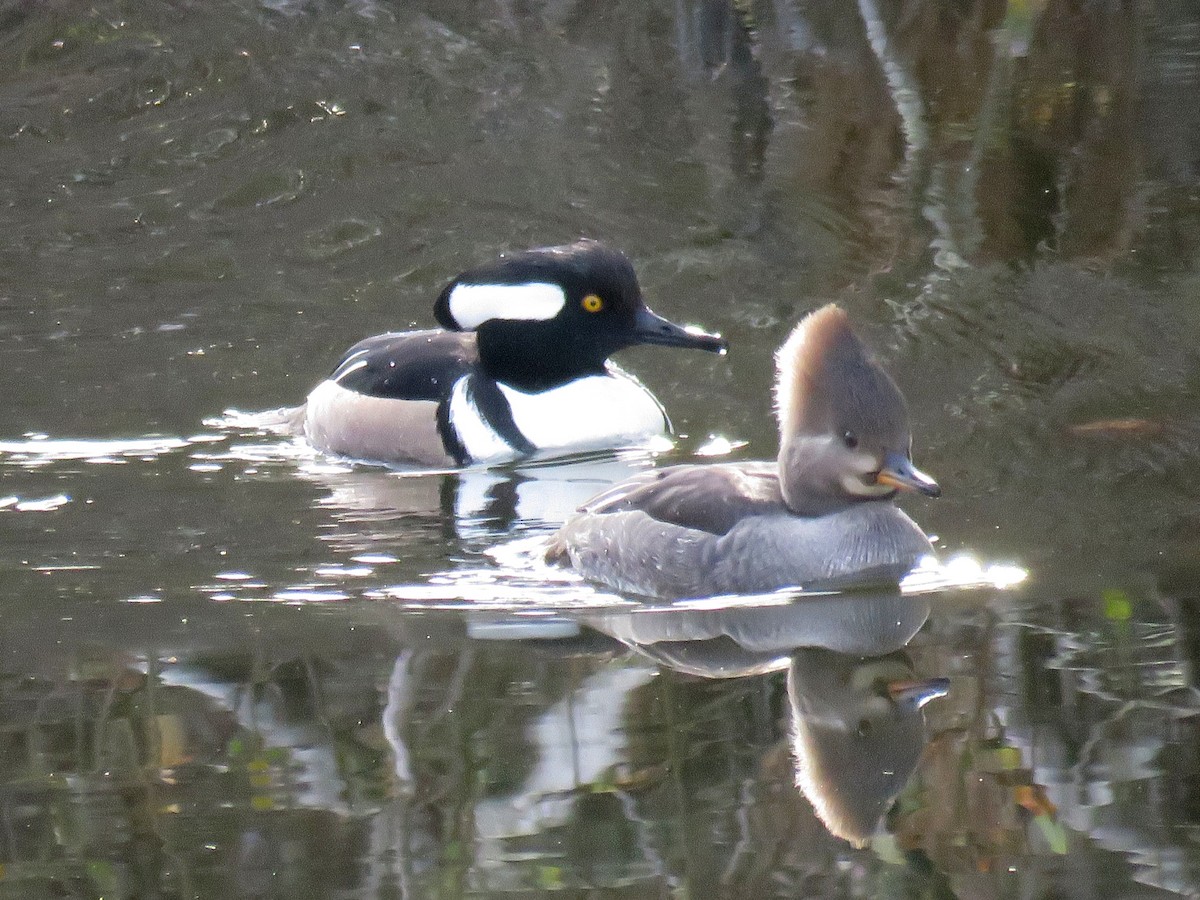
x=857 y=725
x=821 y=512
x=728 y=642
x=857 y=732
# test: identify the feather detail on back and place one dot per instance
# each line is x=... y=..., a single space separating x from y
x=711 y=499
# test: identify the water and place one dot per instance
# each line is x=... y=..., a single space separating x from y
x=230 y=667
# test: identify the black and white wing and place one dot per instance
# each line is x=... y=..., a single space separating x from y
x=409 y=365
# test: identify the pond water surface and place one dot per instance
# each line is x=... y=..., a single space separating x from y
x=230 y=667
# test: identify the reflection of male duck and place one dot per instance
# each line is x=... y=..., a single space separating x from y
x=535 y=806
x=382 y=510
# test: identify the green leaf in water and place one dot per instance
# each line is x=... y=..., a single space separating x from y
x=1008 y=758
x=549 y=878
x=1053 y=832
x=1117 y=605
x=103 y=876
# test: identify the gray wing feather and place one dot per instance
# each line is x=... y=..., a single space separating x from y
x=711 y=499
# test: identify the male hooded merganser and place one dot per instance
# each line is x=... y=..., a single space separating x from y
x=521 y=367
x=821 y=514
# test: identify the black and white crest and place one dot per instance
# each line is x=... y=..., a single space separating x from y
x=537 y=285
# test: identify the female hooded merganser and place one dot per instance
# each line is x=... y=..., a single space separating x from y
x=521 y=367
x=821 y=514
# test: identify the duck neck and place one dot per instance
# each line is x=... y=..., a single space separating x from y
x=529 y=363
x=810 y=485
x=806 y=502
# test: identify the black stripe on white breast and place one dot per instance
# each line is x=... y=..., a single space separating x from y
x=410 y=365
x=493 y=407
x=450 y=440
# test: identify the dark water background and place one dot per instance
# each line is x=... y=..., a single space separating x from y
x=229 y=668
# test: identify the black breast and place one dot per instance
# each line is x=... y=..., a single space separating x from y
x=409 y=365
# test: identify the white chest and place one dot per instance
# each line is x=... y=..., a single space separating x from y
x=596 y=412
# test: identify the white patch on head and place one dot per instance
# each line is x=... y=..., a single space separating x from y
x=596 y=412
x=473 y=304
x=858 y=479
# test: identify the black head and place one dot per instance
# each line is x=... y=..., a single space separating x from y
x=545 y=316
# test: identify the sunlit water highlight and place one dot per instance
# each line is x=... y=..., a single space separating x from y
x=504 y=570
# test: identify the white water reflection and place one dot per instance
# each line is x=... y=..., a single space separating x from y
x=42 y=504
x=472 y=538
x=520 y=580
x=41 y=450
x=719 y=445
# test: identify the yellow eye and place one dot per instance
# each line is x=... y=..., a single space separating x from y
x=592 y=303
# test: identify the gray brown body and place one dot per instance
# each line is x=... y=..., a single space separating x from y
x=338 y=420
x=765 y=547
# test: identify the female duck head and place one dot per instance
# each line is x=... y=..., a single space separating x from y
x=843 y=424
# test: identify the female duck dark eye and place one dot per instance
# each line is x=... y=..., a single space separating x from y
x=850 y=439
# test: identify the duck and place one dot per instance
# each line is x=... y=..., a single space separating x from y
x=821 y=515
x=519 y=367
